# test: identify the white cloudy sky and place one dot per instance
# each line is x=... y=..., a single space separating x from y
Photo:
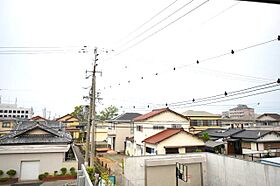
x=54 y=80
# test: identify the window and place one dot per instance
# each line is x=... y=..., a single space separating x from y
x=1 y=111
x=18 y=112
x=171 y=151
x=26 y=112
x=177 y=126
x=6 y=125
x=150 y=150
x=139 y=128
x=5 y=111
x=158 y=127
x=14 y=111
x=10 y=111
x=22 y=111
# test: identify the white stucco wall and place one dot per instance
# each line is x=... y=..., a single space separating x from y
x=49 y=162
x=270 y=137
x=180 y=139
x=227 y=171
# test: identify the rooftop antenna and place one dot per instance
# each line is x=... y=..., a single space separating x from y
x=16 y=102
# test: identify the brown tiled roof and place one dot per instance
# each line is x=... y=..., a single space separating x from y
x=154 y=113
x=162 y=135
x=38 y=118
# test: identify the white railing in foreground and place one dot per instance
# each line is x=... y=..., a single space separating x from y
x=83 y=177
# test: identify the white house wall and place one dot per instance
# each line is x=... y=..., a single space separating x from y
x=270 y=137
x=18 y=149
x=181 y=139
x=49 y=162
x=167 y=116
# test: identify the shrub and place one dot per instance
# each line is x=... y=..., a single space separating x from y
x=11 y=172
x=90 y=170
x=46 y=173
x=42 y=176
x=4 y=179
x=72 y=169
x=1 y=172
x=63 y=170
x=55 y=173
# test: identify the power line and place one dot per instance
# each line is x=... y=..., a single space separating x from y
x=150 y=19
x=231 y=52
x=219 y=97
x=151 y=27
x=172 y=22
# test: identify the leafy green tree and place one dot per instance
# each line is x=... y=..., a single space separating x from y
x=79 y=113
x=108 y=113
x=205 y=136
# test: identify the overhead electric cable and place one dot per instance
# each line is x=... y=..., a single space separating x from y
x=150 y=19
x=172 y=22
x=151 y=27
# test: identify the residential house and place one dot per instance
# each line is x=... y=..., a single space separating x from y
x=38 y=118
x=72 y=125
x=6 y=125
x=258 y=142
x=221 y=137
x=268 y=119
x=202 y=120
x=119 y=129
x=151 y=123
x=172 y=141
x=34 y=148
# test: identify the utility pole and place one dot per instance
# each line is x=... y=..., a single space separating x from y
x=93 y=98
x=91 y=125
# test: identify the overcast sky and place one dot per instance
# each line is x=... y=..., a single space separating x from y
x=53 y=78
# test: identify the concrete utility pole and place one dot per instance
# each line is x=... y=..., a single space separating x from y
x=90 y=147
x=93 y=97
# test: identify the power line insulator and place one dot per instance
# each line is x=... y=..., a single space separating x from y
x=174 y=68
x=156 y=74
x=278 y=80
x=197 y=62
x=128 y=81
x=142 y=77
x=133 y=106
x=148 y=106
x=193 y=100
x=278 y=38
x=232 y=51
x=166 y=104
x=119 y=84
x=226 y=93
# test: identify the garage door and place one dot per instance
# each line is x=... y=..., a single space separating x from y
x=29 y=170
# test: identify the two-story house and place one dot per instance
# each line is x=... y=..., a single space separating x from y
x=202 y=120
x=72 y=125
x=152 y=123
x=119 y=129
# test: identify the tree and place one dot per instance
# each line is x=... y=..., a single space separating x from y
x=80 y=112
x=205 y=136
x=108 y=113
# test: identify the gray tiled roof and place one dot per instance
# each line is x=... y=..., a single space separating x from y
x=19 y=134
x=126 y=117
x=251 y=134
x=221 y=133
